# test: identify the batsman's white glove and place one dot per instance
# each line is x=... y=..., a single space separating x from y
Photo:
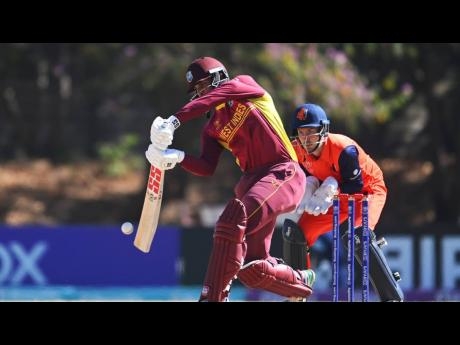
x=166 y=159
x=162 y=130
x=311 y=186
x=321 y=200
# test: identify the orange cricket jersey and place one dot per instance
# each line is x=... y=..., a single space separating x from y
x=327 y=164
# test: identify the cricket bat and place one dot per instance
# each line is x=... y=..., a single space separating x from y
x=150 y=211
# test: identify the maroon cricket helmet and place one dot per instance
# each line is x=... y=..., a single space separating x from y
x=204 y=67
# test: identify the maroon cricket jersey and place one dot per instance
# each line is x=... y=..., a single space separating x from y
x=244 y=121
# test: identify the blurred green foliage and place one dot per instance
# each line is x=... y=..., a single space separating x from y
x=119 y=157
x=399 y=100
x=324 y=74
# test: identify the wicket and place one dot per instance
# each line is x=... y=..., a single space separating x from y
x=351 y=246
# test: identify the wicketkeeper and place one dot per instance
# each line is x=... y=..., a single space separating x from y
x=335 y=163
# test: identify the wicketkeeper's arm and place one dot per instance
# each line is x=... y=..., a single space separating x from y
x=350 y=171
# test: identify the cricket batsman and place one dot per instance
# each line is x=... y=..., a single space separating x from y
x=242 y=119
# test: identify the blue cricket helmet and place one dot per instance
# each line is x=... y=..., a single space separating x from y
x=310 y=115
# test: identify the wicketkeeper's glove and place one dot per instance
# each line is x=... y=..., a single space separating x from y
x=321 y=200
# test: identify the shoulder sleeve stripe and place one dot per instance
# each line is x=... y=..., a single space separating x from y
x=266 y=107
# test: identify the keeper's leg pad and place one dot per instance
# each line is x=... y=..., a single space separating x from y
x=228 y=252
x=277 y=278
x=295 y=248
x=380 y=274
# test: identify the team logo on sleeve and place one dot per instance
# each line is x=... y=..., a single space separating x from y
x=356 y=173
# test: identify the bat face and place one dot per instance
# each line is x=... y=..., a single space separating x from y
x=151 y=210
x=154 y=185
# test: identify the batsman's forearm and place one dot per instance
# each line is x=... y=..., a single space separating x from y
x=197 y=166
